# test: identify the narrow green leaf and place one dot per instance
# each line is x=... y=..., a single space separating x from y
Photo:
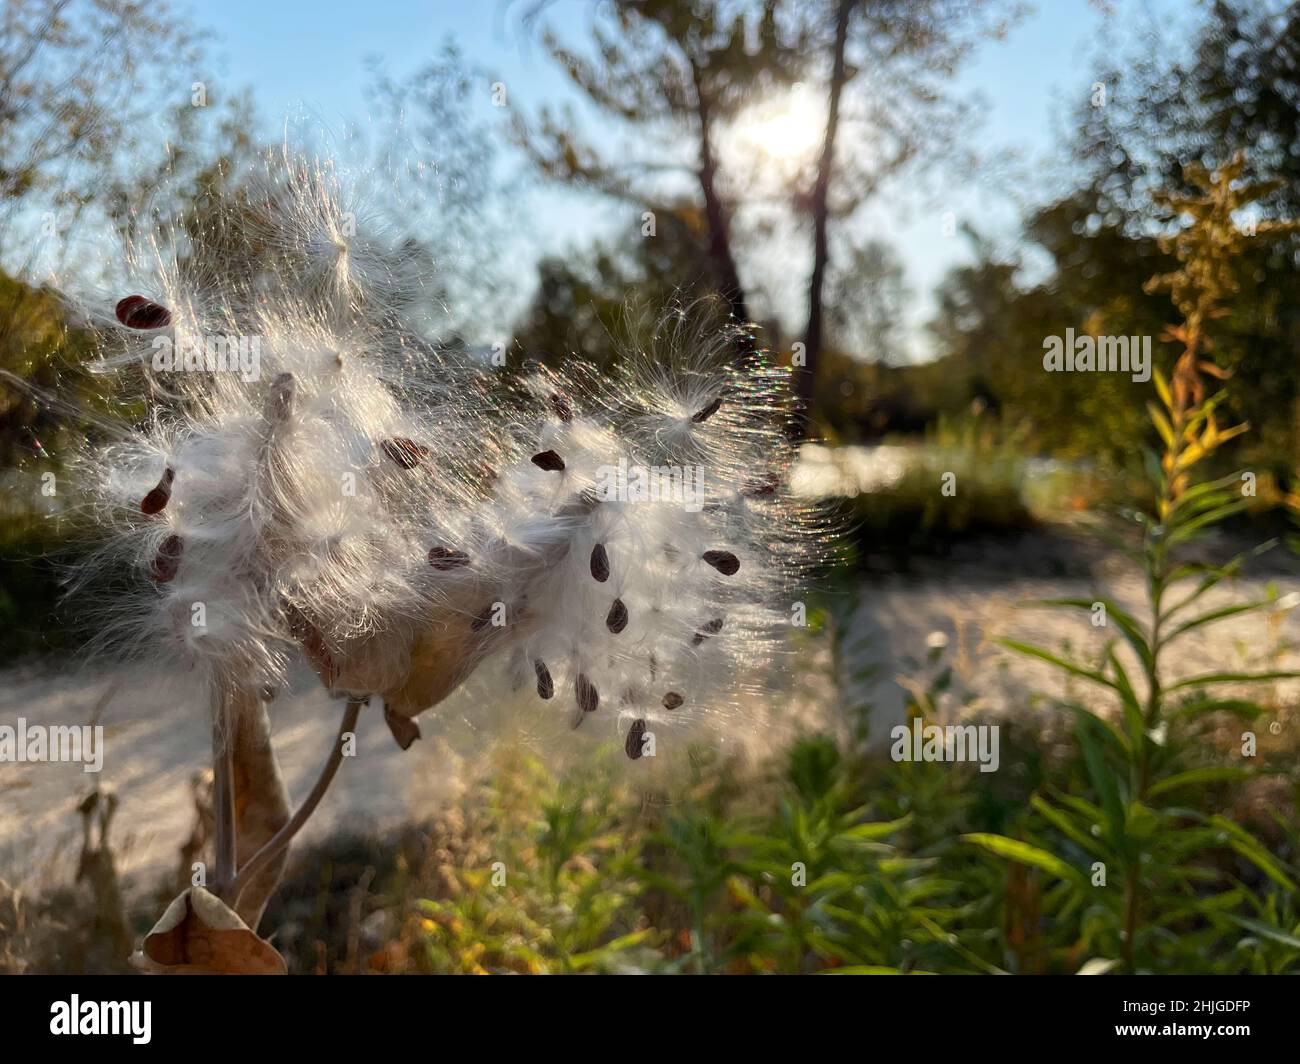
x=876 y=830
x=1103 y=782
x=1128 y=625
x=1198 y=776
x=1232 y=677
x=1189 y=530
x=1059 y=662
x=1244 y=843
x=1022 y=852
x=1218 y=615
x=1237 y=706
x=1059 y=820
x=1264 y=930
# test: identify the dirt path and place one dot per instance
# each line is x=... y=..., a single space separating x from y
x=157 y=735
x=974 y=597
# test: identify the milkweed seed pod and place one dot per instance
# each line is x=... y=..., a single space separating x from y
x=315 y=476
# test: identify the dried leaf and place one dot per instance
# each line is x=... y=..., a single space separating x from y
x=200 y=935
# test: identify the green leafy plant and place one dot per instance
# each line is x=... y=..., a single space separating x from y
x=558 y=895
x=1139 y=862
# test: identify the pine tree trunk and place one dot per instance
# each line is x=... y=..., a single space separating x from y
x=806 y=376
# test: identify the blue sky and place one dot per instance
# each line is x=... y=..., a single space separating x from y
x=309 y=59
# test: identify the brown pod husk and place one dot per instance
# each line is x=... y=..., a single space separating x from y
x=261 y=802
x=404 y=729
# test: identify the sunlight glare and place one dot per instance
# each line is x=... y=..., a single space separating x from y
x=788 y=127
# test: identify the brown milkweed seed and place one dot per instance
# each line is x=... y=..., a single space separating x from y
x=722 y=560
x=635 y=738
x=406 y=453
x=616 y=619
x=168 y=559
x=280 y=404
x=159 y=495
x=713 y=627
x=445 y=558
x=136 y=312
x=672 y=700
x=562 y=407
x=599 y=563
x=545 y=686
x=588 y=696
x=548 y=460
x=707 y=412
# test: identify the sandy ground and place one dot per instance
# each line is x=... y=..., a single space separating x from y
x=157 y=736
x=156 y=739
x=982 y=592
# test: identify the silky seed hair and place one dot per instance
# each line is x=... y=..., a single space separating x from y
x=367 y=484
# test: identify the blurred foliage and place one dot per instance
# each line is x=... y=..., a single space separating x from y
x=1236 y=93
x=984 y=463
x=1151 y=815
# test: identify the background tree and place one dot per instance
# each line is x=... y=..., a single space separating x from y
x=1235 y=92
x=80 y=89
x=670 y=73
x=887 y=91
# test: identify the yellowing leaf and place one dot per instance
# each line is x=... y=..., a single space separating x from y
x=1162 y=389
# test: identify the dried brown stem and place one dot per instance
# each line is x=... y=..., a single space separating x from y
x=223 y=791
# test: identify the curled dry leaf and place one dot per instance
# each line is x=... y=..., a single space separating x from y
x=200 y=935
